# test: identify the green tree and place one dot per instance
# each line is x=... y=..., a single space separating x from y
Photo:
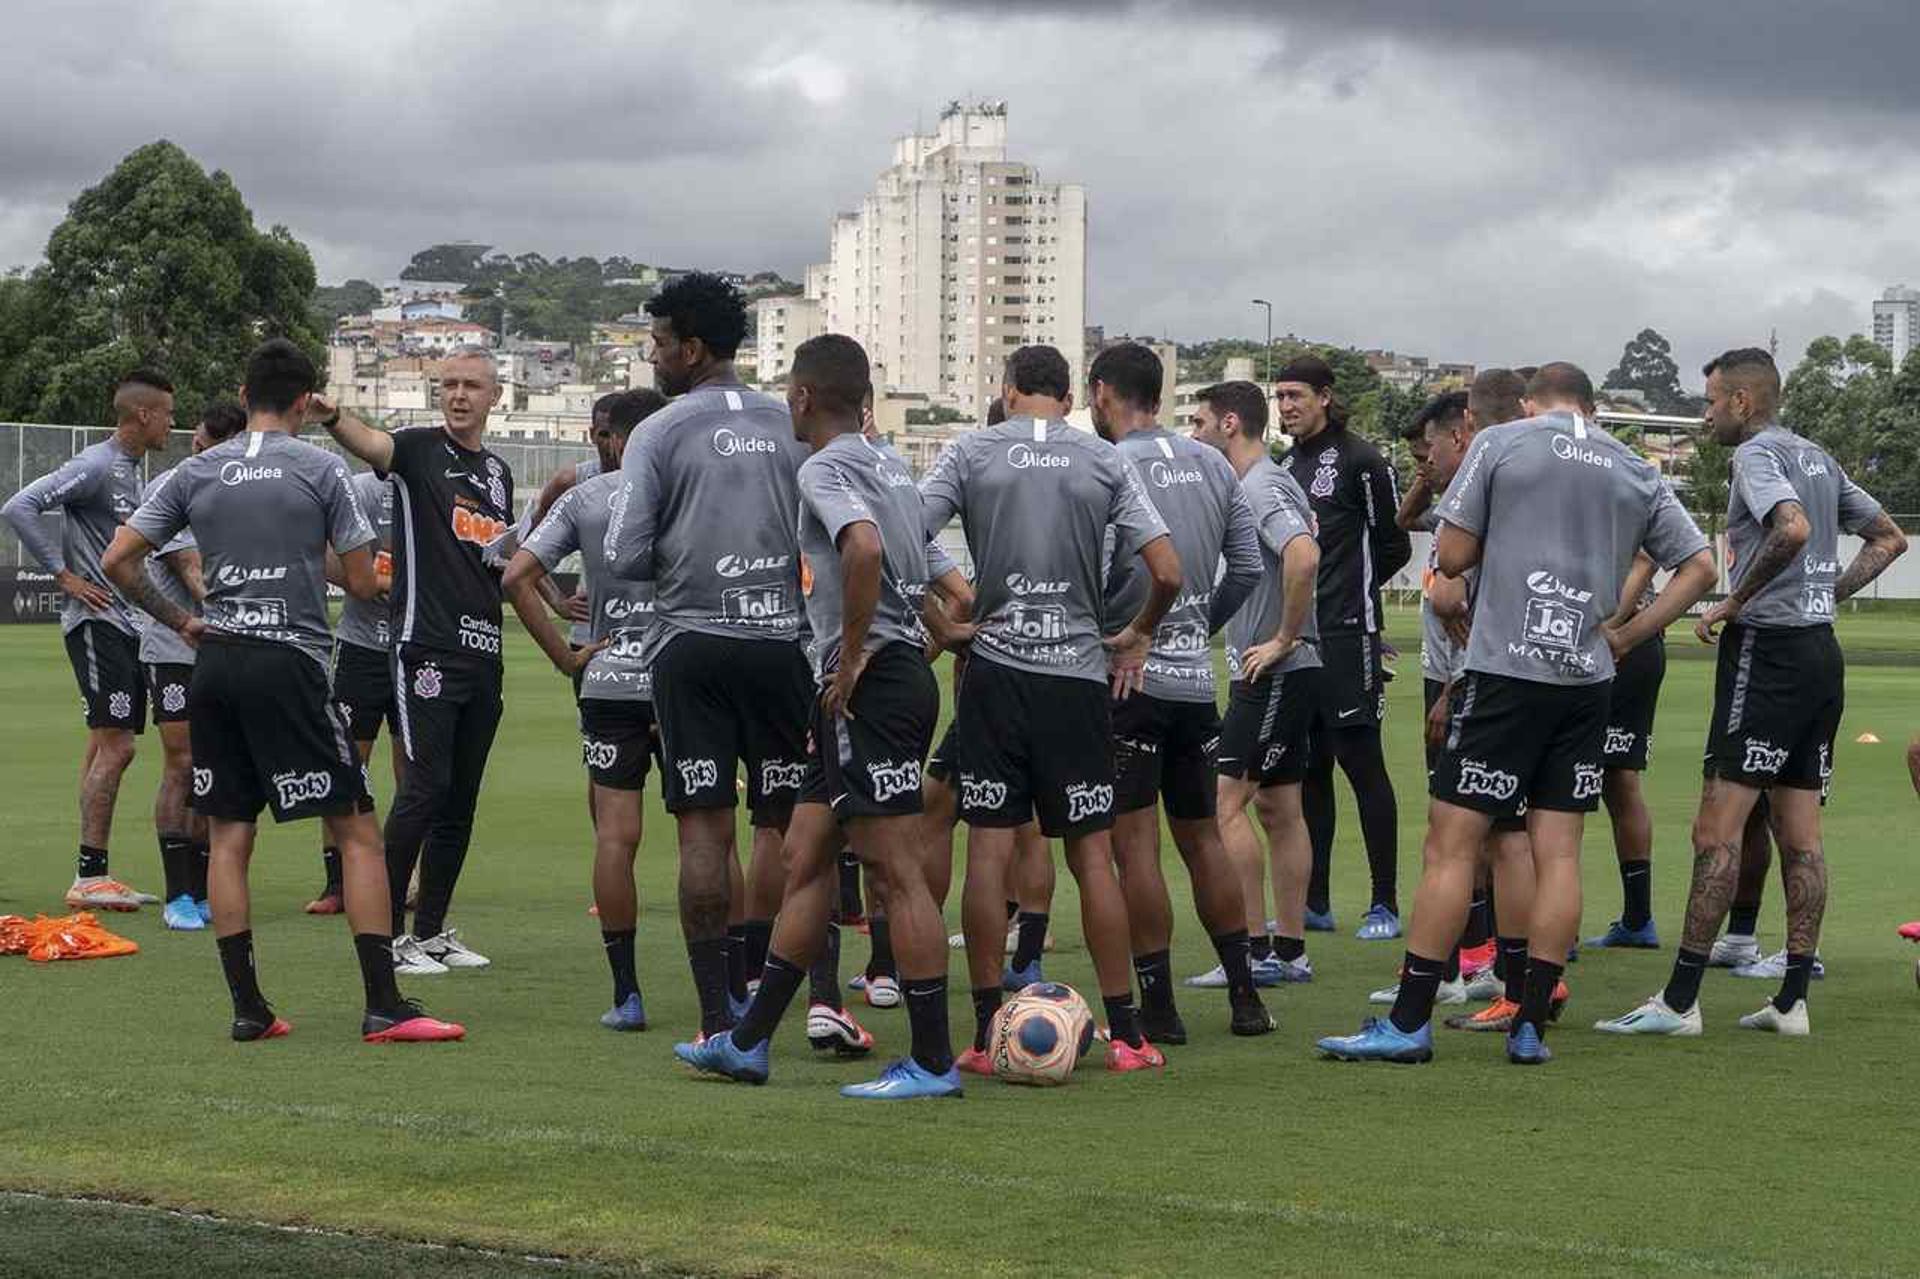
x=1646 y=365
x=453 y=263
x=332 y=301
x=159 y=264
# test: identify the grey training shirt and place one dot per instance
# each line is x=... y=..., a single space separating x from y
x=1778 y=466
x=368 y=623
x=263 y=507
x=96 y=490
x=621 y=608
x=1281 y=513
x=852 y=481
x=1035 y=499
x=708 y=511
x=582 y=632
x=1559 y=507
x=1194 y=489
x=162 y=645
x=1441 y=659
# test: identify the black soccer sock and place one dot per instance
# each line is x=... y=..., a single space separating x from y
x=735 y=944
x=1683 y=987
x=1122 y=1025
x=823 y=981
x=986 y=1002
x=619 y=948
x=708 y=960
x=1453 y=964
x=1536 y=1005
x=927 y=1023
x=176 y=865
x=1316 y=803
x=1013 y=908
x=1155 y=972
x=1511 y=959
x=850 y=904
x=197 y=871
x=757 y=934
x=1479 y=921
x=1281 y=946
x=880 y=962
x=1032 y=939
x=779 y=983
x=1419 y=985
x=1235 y=959
x=330 y=864
x=1260 y=946
x=1793 y=987
x=1636 y=892
x=1364 y=761
x=92 y=863
x=1743 y=921
x=236 y=961
x=375 y=953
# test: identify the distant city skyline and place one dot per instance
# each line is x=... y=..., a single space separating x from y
x=1495 y=185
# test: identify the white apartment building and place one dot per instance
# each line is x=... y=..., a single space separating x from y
x=1896 y=322
x=779 y=325
x=959 y=256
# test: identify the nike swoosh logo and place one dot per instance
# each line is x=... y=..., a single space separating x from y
x=1349 y=714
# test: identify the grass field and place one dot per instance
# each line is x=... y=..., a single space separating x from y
x=544 y=1135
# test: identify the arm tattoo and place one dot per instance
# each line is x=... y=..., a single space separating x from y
x=1774 y=554
x=1804 y=871
x=1878 y=551
x=146 y=597
x=1716 y=873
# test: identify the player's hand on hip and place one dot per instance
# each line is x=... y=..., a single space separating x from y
x=1708 y=626
x=1437 y=719
x=1127 y=661
x=1261 y=658
x=837 y=698
x=576 y=659
x=90 y=593
x=192 y=630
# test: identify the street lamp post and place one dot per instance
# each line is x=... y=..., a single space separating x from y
x=1268 y=371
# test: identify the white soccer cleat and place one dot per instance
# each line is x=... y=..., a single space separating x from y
x=1449 y=992
x=449 y=951
x=1774 y=967
x=102 y=892
x=410 y=960
x=882 y=992
x=1484 y=985
x=1655 y=1018
x=1792 y=1022
x=1733 y=951
x=1215 y=978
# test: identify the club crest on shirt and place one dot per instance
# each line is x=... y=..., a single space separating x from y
x=426 y=681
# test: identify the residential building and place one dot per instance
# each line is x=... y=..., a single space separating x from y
x=957 y=257
x=779 y=325
x=1896 y=322
x=1409 y=371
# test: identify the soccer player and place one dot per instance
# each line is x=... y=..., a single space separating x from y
x=864 y=574
x=1164 y=734
x=708 y=511
x=453 y=498
x=363 y=665
x=608 y=444
x=1551 y=510
x=617 y=736
x=1352 y=491
x=95 y=490
x=1035 y=497
x=1273 y=662
x=1780 y=687
x=174 y=571
x=264 y=506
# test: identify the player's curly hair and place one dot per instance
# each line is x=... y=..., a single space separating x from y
x=702 y=305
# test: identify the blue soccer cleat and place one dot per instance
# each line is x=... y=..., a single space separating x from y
x=717 y=1055
x=1378 y=924
x=1380 y=1040
x=182 y=914
x=905 y=1080
x=1619 y=937
x=1525 y=1047
x=630 y=1014
x=1021 y=978
x=1320 y=921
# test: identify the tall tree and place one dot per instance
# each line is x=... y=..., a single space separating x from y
x=453 y=263
x=159 y=264
x=1646 y=365
x=331 y=301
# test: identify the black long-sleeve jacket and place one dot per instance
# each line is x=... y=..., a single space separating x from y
x=1354 y=497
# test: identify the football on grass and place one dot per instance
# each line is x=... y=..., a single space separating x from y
x=1038 y=1035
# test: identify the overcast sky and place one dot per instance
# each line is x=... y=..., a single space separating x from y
x=1488 y=181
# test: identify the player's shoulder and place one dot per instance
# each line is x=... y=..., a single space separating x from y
x=1356 y=450
x=599 y=482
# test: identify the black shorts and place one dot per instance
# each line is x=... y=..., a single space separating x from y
x=1353 y=693
x=1431 y=694
x=363 y=685
x=721 y=702
x=1636 y=696
x=168 y=684
x=1514 y=741
x=617 y=742
x=106 y=663
x=1031 y=746
x=267 y=734
x=1777 y=700
x=1264 y=737
x=869 y=765
x=1163 y=750
x=940 y=763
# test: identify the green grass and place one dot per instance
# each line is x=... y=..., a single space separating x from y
x=1731 y=1154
